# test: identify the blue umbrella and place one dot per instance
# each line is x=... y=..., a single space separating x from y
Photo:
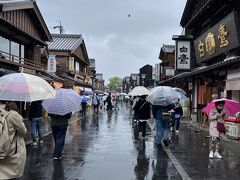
x=85 y=98
x=65 y=101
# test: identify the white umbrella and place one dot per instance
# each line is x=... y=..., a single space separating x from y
x=24 y=87
x=163 y=95
x=139 y=91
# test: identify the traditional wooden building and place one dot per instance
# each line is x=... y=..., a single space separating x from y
x=72 y=60
x=93 y=80
x=126 y=84
x=100 y=82
x=134 y=80
x=167 y=66
x=145 y=76
x=214 y=26
x=23 y=37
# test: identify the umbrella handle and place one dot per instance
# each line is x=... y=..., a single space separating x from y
x=25 y=105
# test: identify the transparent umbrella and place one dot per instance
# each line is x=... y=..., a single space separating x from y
x=24 y=87
x=163 y=95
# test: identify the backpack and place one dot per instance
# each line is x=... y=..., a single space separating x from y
x=5 y=142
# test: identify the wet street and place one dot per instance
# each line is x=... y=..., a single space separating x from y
x=103 y=147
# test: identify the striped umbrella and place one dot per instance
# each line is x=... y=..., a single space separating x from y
x=65 y=101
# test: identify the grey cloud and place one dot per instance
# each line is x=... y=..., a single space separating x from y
x=120 y=44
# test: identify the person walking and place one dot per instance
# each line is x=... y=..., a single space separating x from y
x=162 y=118
x=35 y=117
x=216 y=115
x=96 y=103
x=135 y=115
x=59 y=128
x=178 y=112
x=109 y=102
x=12 y=166
x=84 y=104
x=142 y=109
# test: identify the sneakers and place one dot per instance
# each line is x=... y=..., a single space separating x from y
x=211 y=155
x=34 y=143
x=57 y=159
x=217 y=155
x=177 y=131
x=40 y=141
x=165 y=142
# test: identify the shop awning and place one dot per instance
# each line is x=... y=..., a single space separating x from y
x=233 y=85
x=203 y=69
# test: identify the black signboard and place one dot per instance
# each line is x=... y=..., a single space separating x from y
x=220 y=38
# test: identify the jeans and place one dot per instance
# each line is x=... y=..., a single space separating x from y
x=36 y=128
x=142 y=127
x=162 y=128
x=177 y=121
x=59 y=134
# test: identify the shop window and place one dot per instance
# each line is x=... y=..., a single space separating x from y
x=4 y=47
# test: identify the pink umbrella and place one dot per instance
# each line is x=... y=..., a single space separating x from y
x=232 y=106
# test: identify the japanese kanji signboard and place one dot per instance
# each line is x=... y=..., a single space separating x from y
x=183 y=55
x=219 y=39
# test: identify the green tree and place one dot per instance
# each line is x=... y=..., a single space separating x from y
x=114 y=83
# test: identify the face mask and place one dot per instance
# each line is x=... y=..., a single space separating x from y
x=220 y=107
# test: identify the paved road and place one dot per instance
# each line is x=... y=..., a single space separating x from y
x=103 y=147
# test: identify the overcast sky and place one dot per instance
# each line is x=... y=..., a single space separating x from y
x=120 y=44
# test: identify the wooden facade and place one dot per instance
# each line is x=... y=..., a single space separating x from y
x=21 y=23
x=72 y=59
x=167 y=55
x=203 y=19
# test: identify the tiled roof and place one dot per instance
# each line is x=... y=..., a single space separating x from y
x=65 y=42
x=168 y=48
x=14 y=2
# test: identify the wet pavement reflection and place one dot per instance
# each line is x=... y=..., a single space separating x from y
x=106 y=147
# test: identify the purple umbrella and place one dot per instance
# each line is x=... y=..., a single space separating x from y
x=65 y=101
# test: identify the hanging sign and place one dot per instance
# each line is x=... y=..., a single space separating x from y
x=52 y=64
x=183 y=55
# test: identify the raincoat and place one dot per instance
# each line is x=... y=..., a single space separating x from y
x=13 y=165
x=213 y=117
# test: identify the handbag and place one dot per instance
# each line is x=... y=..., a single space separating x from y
x=166 y=116
x=221 y=128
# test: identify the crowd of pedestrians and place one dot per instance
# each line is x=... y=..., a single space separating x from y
x=162 y=116
x=166 y=117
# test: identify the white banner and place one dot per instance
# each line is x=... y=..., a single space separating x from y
x=183 y=55
x=169 y=72
x=52 y=64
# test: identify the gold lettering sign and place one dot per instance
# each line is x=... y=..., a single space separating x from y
x=222 y=35
x=201 y=48
x=210 y=43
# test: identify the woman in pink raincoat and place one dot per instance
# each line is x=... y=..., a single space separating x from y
x=217 y=114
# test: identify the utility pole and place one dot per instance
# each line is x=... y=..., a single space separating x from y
x=60 y=27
